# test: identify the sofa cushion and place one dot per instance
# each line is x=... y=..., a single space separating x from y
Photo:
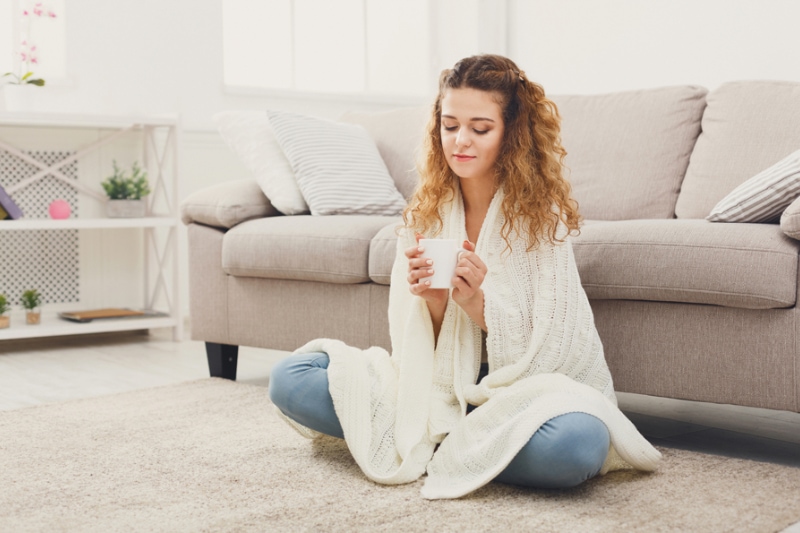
x=627 y=152
x=227 y=204
x=747 y=127
x=398 y=135
x=249 y=135
x=382 y=252
x=337 y=166
x=750 y=266
x=790 y=221
x=763 y=197
x=333 y=249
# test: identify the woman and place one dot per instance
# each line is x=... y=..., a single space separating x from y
x=502 y=377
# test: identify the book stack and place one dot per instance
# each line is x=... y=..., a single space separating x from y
x=8 y=209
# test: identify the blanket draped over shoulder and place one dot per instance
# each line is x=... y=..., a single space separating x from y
x=545 y=359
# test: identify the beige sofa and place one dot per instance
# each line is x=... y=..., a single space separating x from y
x=686 y=308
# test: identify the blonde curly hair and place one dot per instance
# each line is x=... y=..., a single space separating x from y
x=528 y=168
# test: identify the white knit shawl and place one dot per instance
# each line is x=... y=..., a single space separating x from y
x=545 y=360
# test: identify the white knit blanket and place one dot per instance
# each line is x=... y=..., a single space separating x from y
x=545 y=360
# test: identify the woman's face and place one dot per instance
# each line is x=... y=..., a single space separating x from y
x=472 y=132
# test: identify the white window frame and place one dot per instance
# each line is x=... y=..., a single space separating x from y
x=493 y=38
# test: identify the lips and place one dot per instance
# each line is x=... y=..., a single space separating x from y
x=461 y=158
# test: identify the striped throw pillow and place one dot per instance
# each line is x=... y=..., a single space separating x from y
x=763 y=197
x=337 y=166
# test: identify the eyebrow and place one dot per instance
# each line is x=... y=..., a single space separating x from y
x=473 y=119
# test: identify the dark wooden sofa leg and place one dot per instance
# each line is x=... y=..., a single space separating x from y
x=222 y=360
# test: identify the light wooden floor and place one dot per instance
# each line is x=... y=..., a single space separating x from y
x=35 y=372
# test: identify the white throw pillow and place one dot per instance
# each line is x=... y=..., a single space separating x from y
x=337 y=166
x=249 y=135
x=763 y=197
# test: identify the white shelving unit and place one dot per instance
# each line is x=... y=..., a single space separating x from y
x=160 y=265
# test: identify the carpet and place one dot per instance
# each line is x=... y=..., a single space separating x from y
x=211 y=455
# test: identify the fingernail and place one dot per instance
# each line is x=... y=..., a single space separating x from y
x=429 y=262
x=420 y=249
x=427 y=283
x=430 y=271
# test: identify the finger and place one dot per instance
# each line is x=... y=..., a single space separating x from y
x=467 y=245
x=413 y=251
x=419 y=236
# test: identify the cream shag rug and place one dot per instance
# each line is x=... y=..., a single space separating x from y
x=211 y=455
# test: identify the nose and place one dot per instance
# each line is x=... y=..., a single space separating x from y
x=462 y=138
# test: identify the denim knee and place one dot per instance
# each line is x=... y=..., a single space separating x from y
x=565 y=451
x=285 y=374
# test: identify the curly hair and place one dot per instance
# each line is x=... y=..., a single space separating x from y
x=528 y=168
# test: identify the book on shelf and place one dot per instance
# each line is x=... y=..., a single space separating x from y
x=111 y=313
x=8 y=209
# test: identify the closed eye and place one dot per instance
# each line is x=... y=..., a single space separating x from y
x=481 y=132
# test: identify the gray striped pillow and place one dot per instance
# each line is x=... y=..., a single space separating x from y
x=337 y=166
x=763 y=197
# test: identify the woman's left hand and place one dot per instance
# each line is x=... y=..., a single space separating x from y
x=469 y=275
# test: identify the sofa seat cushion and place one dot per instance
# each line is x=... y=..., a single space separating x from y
x=332 y=249
x=382 y=252
x=751 y=266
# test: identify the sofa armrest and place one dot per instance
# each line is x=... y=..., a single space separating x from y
x=227 y=204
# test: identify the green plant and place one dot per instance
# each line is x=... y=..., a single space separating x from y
x=25 y=79
x=119 y=186
x=31 y=299
x=4 y=305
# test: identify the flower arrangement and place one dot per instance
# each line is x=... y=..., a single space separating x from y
x=119 y=186
x=4 y=305
x=28 y=51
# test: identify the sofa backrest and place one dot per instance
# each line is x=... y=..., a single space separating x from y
x=627 y=152
x=747 y=127
x=398 y=135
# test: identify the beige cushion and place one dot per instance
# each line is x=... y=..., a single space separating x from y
x=227 y=204
x=334 y=249
x=790 y=220
x=382 y=252
x=398 y=134
x=693 y=261
x=627 y=152
x=748 y=126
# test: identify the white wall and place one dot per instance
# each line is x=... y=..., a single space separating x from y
x=595 y=46
x=156 y=56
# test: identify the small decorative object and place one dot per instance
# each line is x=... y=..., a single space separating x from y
x=4 y=307
x=8 y=209
x=59 y=209
x=31 y=300
x=125 y=192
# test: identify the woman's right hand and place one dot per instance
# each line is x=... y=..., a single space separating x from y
x=418 y=268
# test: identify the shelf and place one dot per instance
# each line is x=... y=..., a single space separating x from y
x=71 y=120
x=53 y=326
x=87 y=223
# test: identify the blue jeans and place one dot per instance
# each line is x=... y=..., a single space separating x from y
x=565 y=451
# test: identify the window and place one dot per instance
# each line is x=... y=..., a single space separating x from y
x=33 y=39
x=379 y=47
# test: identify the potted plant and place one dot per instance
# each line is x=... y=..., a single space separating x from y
x=31 y=300
x=125 y=192
x=4 y=308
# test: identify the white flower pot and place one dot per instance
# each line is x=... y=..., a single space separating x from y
x=125 y=208
x=19 y=98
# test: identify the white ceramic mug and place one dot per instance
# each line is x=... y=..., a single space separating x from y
x=444 y=254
